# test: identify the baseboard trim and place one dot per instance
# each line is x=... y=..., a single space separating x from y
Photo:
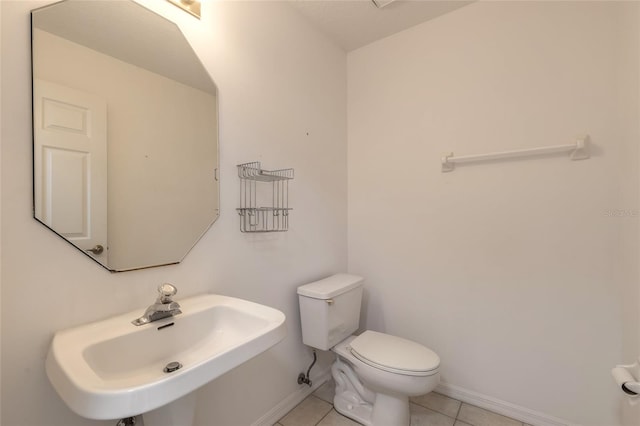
x=505 y=408
x=526 y=415
x=287 y=404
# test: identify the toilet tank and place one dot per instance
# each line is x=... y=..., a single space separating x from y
x=330 y=310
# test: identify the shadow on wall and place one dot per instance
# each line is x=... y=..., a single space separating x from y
x=371 y=313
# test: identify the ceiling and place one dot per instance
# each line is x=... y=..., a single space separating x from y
x=356 y=23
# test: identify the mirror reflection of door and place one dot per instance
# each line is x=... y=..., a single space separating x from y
x=70 y=164
x=161 y=130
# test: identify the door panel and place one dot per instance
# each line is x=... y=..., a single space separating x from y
x=66 y=192
x=71 y=164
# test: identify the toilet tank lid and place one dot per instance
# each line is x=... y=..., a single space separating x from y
x=329 y=287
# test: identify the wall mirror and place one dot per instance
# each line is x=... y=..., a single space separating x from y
x=125 y=127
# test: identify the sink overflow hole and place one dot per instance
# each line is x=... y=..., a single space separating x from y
x=166 y=325
x=172 y=366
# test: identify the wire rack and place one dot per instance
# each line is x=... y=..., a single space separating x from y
x=263 y=210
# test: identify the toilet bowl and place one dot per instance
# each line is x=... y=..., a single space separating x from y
x=375 y=373
x=389 y=370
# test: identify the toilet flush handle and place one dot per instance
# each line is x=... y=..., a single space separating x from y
x=329 y=302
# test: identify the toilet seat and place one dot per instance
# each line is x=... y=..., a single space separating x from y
x=394 y=354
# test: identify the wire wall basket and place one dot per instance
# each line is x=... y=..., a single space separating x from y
x=263 y=210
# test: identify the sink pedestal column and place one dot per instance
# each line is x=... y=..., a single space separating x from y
x=179 y=412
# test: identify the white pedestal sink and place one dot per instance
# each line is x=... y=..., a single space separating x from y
x=112 y=369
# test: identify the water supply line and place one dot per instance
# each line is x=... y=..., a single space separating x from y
x=302 y=378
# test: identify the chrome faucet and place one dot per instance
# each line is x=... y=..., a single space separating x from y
x=163 y=307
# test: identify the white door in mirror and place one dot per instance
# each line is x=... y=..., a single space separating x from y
x=70 y=164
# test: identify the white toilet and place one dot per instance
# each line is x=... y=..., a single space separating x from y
x=375 y=373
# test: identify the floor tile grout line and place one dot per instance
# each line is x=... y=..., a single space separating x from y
x=455 y=419
x=459 y=409
x=320 y=421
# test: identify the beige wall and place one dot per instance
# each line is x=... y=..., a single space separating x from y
x=282 y=101
x=514 y=272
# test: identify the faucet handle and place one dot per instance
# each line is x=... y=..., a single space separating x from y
x=167 y=291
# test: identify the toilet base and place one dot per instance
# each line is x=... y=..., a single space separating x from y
x=391 y=410
x=351 y=398
x=361 y=413
x=359 y=403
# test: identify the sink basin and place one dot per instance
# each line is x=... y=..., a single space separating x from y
x=112 y=369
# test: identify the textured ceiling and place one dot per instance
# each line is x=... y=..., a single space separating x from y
x=355 y=23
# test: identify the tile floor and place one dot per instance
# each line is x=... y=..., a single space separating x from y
x=432 y=409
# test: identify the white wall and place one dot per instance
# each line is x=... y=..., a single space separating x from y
x=282 y=101
x=520 y=274
x=512 y=271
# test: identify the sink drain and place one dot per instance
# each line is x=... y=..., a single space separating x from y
x=172 y=366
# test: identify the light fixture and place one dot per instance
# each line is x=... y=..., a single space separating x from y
x=191 y=6
x=382 y=3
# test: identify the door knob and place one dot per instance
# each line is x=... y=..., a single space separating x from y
x=98 y=249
